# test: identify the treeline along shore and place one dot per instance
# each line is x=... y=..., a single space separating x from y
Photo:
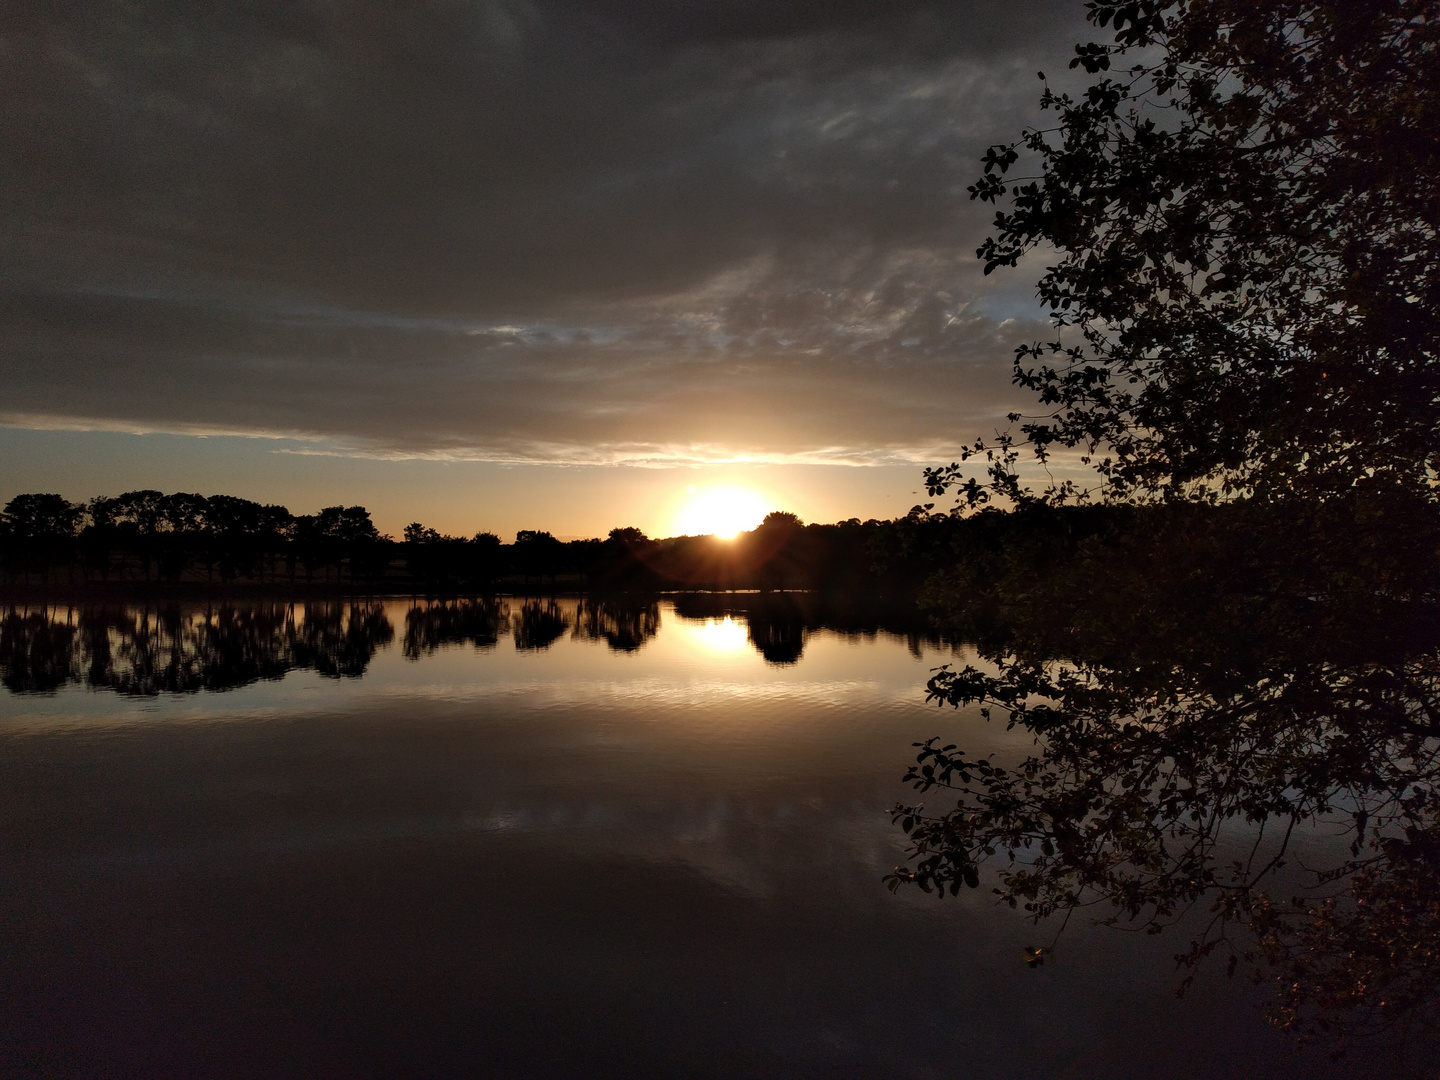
x=189 y=543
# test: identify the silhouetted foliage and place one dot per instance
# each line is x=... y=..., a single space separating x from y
x=242 y=535
x=781 y=519
x=153 y=536
x=537 y=554
x=415 y=533
x=185 y=539
x=1248 y=280
x=1246 y=294
x=39 y=531
x=342 y=536
x=38 y=517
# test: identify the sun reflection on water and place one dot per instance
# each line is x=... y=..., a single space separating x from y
x=720 y=635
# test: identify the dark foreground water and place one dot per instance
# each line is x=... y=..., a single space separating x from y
x=524 y=841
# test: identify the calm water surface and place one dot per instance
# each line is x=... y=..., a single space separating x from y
x=599 y=846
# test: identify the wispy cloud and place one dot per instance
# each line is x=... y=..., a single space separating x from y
x=564 y=232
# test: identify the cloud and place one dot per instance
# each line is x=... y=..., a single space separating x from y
x=560 y=231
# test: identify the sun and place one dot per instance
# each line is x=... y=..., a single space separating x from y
x=719 y=511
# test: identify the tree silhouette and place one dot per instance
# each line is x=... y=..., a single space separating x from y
x=774 y=547
x=1248 y=280
x=38 y=530
x=415 y=533
x=1246 y=304
x=133 y=519
x=241 y=534
x=41 y=516
x=537 y=554
x=485 y=559
x=340 y=536
x=781 y=519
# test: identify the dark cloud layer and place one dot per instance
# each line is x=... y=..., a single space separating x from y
x=566 y=230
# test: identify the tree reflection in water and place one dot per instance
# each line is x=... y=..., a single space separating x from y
x=777 y=628
x=37 y=654
x=339 y=640
x=142 y=651
x=1215 y=700
x=445 y=622
x=779 y=623
x=539 y=624
x=623 y=624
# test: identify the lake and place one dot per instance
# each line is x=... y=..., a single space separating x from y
x=540 y=839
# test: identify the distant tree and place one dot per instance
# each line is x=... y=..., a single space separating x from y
x=242 y=533
x=1247 y=286
x=134 y=519
x=97 y=540
x=337 y=536
x=350 y=538
x=588 y=558
x=181 y=529
x=486 y=559
x=307 y=544
x=774 y=547
x=444 y=562
x=142 y=510
x=40 y=516
x=39 y=530
x=415 y=533
x=183 y=512
x=537 y=553
x=623 y=562
x=347 y=524
x=781 y=519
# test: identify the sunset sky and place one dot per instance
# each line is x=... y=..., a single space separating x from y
x=564 y=264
